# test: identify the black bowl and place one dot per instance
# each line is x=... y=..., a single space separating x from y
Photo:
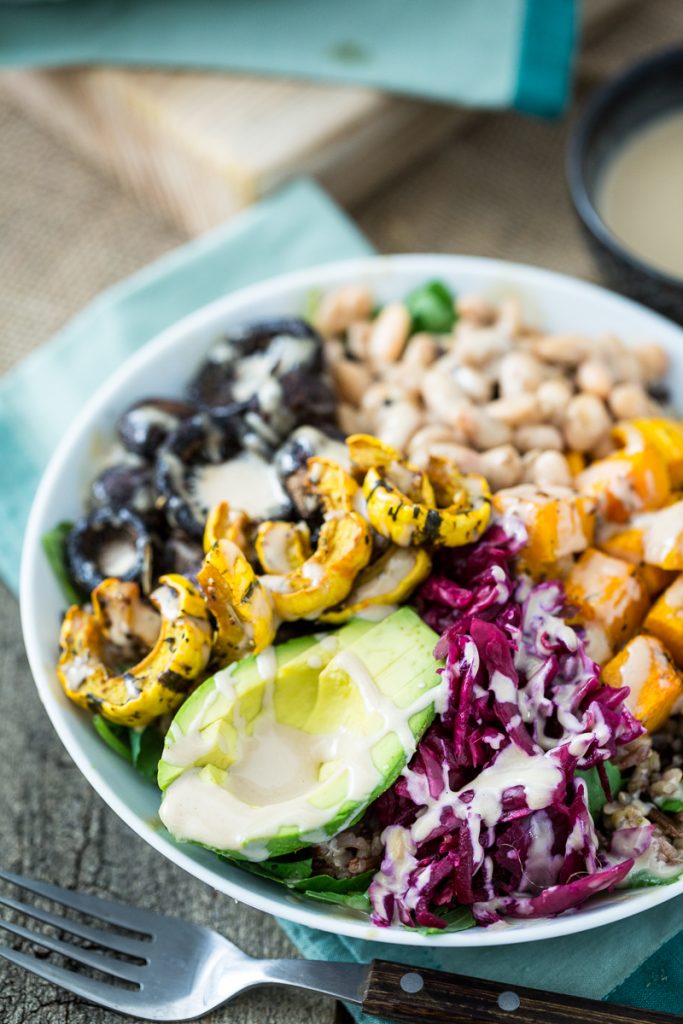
x=650 y=88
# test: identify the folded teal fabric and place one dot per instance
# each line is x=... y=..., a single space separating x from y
x=298 y=227
x=481 y=53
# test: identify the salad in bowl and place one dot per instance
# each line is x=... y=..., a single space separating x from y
x=384 y=600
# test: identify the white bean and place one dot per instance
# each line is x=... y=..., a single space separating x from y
x=421 y=350
x=515 y=410
x=475 y=384
x=352 y=421
x=338 y=309
x=429 y=435
x=550 y=468
x=595 y=377
x=502 y=466
x=510 y=316
x=565 y=349
x=518 y=373
x=553 y=398
x=389 y=333
x=334 y=350
x=358 y=339
x=482 y=430
x=407 y=378
x=475 y=308
x=351 y=379
x=441 y=394
x=466 y=459
x=538 y=435
x=380 y=394
x=397 y=423
x=603 y=448
x=586 y=423
x=628 y=400
x=653 y=359
x=626 y=367
x=477 y=346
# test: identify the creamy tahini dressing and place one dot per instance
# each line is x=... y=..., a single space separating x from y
x=284 y=354
x=639 y=197
x=537 y=773
x=662 y=532
x=247 y=482
x=117 y=558
x=277 y=765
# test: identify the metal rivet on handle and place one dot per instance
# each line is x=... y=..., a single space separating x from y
x=508 y=1001
x=412 y=982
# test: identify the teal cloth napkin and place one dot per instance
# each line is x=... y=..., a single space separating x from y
x=639 y=961
x=482 y=53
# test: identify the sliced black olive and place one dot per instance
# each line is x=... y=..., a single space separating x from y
x=269 y=377
x=109 y=543
x=147 y=424
x=125 y=485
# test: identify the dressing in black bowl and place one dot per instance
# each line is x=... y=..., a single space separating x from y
x=645 y=103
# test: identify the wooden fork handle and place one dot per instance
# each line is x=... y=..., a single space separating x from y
x=412 y=994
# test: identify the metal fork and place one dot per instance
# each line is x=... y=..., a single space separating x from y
x=167 y=969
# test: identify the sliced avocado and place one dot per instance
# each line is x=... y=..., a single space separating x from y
x=276 y=754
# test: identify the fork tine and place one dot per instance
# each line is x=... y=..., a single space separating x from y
x=115 y=998
x=113 y=913
x=109 y=940
x=107 y=964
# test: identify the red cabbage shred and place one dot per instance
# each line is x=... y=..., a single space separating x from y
x=525 y=709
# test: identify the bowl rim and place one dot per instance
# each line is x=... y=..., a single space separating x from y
x=599 y=104
x=514 y=275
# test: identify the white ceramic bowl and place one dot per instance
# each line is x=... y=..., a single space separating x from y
x=162 y=367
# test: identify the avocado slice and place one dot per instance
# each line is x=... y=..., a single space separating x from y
x=288 y=748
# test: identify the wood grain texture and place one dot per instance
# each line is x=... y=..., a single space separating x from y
x=451 y=999
x=54 y=827
x=199 y=147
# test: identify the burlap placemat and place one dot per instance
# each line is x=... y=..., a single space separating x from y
x=66 y=231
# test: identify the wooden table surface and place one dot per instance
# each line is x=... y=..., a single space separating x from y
x=66 y=232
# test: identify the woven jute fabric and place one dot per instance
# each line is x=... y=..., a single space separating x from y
x=66 y=232
x=496 y=189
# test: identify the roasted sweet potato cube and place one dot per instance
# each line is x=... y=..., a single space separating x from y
x=653 y=538
x=655 y=684
x=665 y=619
x=609 y=593
x=628 y=545
x=664 y=435
x=559 y=523
x=626 y=482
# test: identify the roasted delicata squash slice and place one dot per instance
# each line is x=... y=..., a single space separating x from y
x=665 y=619
x=240 y=604
x=336 y=488
x=626 y=482
x=326 y=577
x=611 y=600
x=224 y=523
x=655 y=685
x=390 y=580
x=408 y=507
x=559 y=524
x=664 y=436
x=282 y=547
x=159 y=682
x=127 y=622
